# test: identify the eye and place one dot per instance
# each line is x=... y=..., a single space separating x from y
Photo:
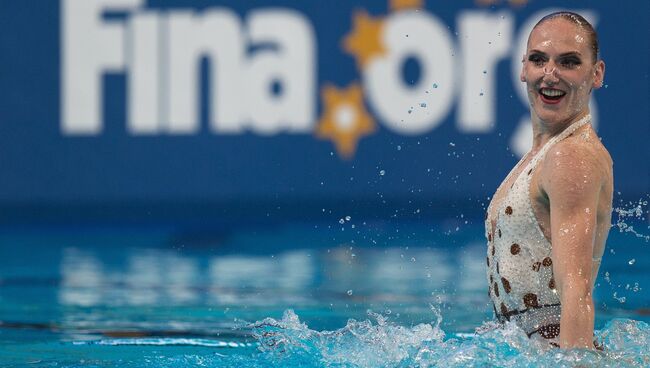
x=570 y=63
x=536 y=59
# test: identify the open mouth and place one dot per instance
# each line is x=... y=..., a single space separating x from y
x=551 y=95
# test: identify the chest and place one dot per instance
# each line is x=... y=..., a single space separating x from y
x=519 y=199
x=499 y=197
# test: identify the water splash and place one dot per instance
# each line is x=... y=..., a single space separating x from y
x=378 y=342
x=632 y=211
x=367 y=343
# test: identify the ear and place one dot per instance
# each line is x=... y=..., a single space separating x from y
x=522 y=77
x=599 y=74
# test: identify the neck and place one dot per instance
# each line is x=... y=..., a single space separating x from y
x=543 y=131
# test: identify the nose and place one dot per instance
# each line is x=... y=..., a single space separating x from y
x=550 y=73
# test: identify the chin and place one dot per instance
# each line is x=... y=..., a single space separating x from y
x=557 y=114
x=549 y=115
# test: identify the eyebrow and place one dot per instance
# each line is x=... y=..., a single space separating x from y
x=570 y=53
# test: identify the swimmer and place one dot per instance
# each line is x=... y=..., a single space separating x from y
x=548 y=221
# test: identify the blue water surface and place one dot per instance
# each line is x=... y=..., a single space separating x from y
x=343 y=294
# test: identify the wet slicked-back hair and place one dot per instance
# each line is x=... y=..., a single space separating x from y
x=579 y=21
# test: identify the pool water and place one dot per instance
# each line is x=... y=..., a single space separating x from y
x=349 y=294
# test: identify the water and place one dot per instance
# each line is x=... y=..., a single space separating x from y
x=355 y=294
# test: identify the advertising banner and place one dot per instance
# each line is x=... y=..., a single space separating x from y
x=139 y=102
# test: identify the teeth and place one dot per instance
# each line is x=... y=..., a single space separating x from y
x=552 y=92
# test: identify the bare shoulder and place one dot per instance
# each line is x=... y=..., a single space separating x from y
x=578 y=162
x=582 y=150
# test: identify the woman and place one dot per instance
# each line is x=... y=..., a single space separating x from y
x=548 y=221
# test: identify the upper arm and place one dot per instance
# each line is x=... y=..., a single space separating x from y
x=572 y=179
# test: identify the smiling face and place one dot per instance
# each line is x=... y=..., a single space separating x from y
x=559 y=71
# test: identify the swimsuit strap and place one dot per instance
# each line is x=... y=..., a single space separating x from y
x=533 y=163
x=565 y=133
x=526 y=179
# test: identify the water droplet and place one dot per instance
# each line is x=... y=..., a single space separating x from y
x=348 y=218
x=485 y=72
x=452 y=144
x=399 y=148
x=350 y=292
x=382 y=172
x=621 y=299
x=481 y=94
x=435 y=85
x=632 y=261
x=341 y=221
x=423 y=104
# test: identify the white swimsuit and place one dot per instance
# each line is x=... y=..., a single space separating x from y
x=520 y=272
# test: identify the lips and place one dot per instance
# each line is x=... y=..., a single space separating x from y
x=551 y=95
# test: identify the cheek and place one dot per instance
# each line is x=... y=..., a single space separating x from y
x=580 y=82
x=584 y=86
x=531 y=76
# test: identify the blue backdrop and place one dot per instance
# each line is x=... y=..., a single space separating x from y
x=135 y=108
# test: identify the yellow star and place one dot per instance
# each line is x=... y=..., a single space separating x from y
x=397 y=5
x=344 y=118
x=518 y=2
x=365 y=41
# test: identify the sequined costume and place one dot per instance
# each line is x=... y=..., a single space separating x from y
x=519 y=263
